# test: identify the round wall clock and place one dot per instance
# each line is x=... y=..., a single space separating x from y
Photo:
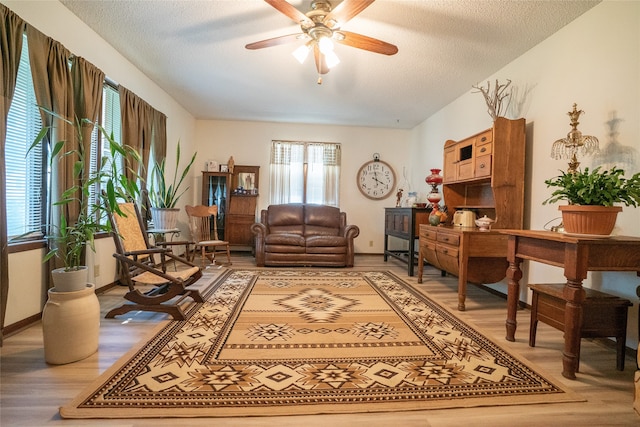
x=376 y=179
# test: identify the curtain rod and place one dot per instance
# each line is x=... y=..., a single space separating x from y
x=111 y=82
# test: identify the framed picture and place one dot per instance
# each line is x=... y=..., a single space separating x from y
x=224 y=168
x=212 y=166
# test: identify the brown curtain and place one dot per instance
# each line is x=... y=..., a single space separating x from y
x=11 y=46
x=159 y=136
x=137 y=123
x=143 y=127
x=53 y=89
x=87 y=94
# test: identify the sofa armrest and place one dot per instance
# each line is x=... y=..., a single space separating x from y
x=351 y=231
x=260 y=231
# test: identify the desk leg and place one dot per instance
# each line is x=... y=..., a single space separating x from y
x=636 y=377
x=420 y=263
x=514 y=274
x=386 y=246
x=574 y=295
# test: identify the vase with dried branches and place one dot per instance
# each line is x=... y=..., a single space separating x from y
x=495 y=99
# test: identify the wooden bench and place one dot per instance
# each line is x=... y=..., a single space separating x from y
x=603 y=315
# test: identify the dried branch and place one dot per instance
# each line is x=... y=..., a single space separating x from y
x=494 y=99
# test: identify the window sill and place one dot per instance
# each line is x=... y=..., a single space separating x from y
x=30 y=245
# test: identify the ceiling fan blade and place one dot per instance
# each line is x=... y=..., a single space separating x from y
x=293 y=13
x=275 y=41
x=367 y=43
x=345 y=11
x=321 y=64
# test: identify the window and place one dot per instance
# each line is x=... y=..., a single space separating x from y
x=26 y=176
x=305 y=172
x=27 y=183
x=112 y=125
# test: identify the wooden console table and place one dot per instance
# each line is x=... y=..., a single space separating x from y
x=403 y=223
x=577 y=256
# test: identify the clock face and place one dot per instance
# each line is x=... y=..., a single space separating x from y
x=376 y=180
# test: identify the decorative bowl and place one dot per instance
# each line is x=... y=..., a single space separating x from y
x=484 y=223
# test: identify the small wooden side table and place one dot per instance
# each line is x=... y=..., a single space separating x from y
x=576 y=255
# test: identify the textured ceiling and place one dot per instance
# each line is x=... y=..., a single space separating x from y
x=195 y=51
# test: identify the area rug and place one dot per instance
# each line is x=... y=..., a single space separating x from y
x=274 y=342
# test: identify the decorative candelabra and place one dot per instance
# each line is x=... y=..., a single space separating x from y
x=434 y=180
x=575 y=143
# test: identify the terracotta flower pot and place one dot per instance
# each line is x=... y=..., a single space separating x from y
x=596 y=220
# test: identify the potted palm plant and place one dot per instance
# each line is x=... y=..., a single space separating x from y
x=164 y=195
x=71 y=315
x=71 y=237
x=592 y=196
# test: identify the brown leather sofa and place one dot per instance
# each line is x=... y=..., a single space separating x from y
x=304 y=234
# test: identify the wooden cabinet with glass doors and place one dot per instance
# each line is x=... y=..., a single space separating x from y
x=236 y=195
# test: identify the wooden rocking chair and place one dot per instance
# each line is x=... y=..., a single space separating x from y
x=139 y=269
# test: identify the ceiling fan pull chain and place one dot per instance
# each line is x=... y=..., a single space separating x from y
x=319 y=79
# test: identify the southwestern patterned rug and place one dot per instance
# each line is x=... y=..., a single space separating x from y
x=274 y=342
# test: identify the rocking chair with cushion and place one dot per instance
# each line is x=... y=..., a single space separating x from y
x=164 y=290
x=201 y=221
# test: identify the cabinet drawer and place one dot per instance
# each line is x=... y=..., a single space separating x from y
x=485 y=137
x=427 y=234
x=449 y=239
x=447 y=250
x=484 y=149
x=483 y=166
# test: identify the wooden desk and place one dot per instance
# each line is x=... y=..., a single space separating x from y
x=576 y=255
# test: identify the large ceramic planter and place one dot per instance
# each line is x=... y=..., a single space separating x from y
x=70 y=281
x=70 y=325
x=164 y=218
x=594 y=220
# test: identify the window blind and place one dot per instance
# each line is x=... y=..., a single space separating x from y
x=26 y=173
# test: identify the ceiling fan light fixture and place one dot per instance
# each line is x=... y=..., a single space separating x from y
x=331 y=59
x=325 y=44
x=301 y=53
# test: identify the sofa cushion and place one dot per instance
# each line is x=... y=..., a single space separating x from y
x=285 y=249
x=321 y=220
x=285 y=243
x=326 y=245
x=287 y=219
x=326 y=241
x=285 y=239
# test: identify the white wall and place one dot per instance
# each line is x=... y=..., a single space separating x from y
x=594 y=62
x=250 y=144
x=26 y=284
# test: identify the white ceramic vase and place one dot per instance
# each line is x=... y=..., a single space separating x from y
x=165 y=219
x=70 y=325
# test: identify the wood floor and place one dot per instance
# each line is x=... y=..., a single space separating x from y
x=31 y=391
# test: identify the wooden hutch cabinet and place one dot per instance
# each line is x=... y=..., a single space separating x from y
x=243 y=203
x=485 y=174
x=236 y=196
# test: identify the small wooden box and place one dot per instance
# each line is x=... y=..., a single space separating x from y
x=603 y=315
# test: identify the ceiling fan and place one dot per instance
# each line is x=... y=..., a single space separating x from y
x=321 y=26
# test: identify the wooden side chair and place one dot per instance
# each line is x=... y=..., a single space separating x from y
x=202 y=222
x=163 y=291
